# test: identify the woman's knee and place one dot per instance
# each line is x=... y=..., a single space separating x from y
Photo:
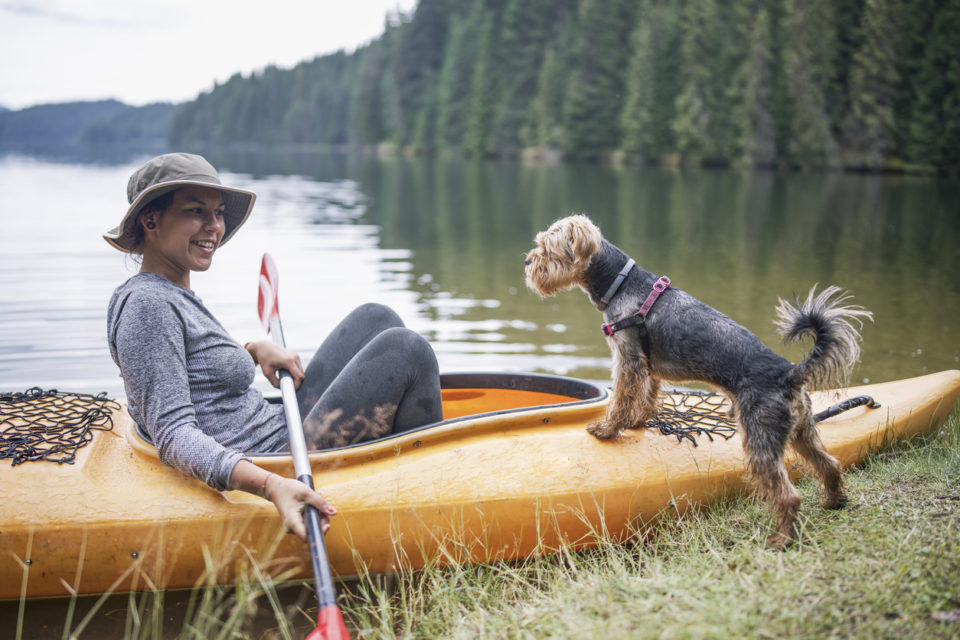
x=414 y=348
x=374 y=314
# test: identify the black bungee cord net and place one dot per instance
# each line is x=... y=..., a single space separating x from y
x=688 y=414
x=50 y=425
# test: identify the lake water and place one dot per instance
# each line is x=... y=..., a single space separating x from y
x=443 y=241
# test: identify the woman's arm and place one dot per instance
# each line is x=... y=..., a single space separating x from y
x=288 y=495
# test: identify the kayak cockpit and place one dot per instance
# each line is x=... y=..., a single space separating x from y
x=480 y=397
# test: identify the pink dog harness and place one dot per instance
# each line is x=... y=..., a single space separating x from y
x=638 y=319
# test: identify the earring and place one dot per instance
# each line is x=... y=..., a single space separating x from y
x=150 y=224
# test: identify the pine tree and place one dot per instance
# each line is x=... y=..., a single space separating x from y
x=549 y=102
x=712 y=115
x=653 y=82
x=596 y=86
x=761 y=146
x=810 y=52
x=483 y=89
x=869 y=127
x=931 y=126
x=455 y=79
x=527 y=28
x=419 y=57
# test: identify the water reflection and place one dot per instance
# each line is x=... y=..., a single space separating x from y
x=443 y=243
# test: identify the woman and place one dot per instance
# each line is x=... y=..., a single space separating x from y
x=188 y=383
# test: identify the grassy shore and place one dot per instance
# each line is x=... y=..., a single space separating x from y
x=886 y=567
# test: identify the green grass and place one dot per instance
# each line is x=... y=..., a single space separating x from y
x=888 y=566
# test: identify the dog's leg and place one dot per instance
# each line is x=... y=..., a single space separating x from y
x=765 y=438
x=806 y=442
x=633 y=400
x=647 y=402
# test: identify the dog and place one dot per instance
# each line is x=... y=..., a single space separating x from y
x=657 y=332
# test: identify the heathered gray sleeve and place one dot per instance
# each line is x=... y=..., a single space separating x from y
x=148 y=340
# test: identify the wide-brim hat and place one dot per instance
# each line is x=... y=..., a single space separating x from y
x=167 y=173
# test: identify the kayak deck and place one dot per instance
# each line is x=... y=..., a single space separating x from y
x=523 y=477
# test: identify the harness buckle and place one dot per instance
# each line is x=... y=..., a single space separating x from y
x=607 y=330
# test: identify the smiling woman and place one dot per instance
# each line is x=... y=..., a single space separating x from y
x=185 y=236
x=189 y=383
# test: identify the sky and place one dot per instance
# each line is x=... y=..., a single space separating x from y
x=144 y=51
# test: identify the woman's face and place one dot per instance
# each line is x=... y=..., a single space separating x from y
x=186 y=235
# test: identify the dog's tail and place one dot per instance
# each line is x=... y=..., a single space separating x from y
x=836 y=347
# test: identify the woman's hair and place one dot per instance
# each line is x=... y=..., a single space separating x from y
x=156 y=206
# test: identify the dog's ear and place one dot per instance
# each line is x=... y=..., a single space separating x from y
x=584 y=237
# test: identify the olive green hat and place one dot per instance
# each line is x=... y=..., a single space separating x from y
x=167 y=173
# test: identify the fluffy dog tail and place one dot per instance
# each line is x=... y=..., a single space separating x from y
x=836 y=347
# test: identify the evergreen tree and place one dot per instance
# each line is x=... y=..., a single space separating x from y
x=712 y=116
x=419 y=58
x=761 y=146
x=527 y=28
x=483 y=88
x=549 y=101
x=809 y=71
x=869 y=126
x=453 y=97
x=849 y=37
x=596 y=86
x=367 y=122
x=931 y=124
x=653 y=81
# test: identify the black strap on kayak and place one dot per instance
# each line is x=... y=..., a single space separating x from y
x=688 y=414
x=50 y=425
x=846 y=405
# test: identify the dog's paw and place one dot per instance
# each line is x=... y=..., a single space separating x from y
x=778 y=541
x=838 y=501
x=603 y=430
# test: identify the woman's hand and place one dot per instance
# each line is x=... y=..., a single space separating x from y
x=291 y=497
x=272 y=357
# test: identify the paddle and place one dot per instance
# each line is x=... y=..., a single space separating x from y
x=329 y=619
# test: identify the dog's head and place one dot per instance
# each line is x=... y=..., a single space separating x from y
x=562 y=255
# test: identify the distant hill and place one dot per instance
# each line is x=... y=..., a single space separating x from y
x=77 y=125
x=813 y=83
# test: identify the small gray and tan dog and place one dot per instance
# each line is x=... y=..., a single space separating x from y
x=657 y=332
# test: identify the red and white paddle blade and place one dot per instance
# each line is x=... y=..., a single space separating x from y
x=267 y=303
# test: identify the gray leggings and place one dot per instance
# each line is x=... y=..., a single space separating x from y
x=371 y=377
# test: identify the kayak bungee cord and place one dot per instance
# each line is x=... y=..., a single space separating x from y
x=687 y=414
x=51 y=425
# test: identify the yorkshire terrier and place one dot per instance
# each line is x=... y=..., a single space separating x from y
x=658 y=332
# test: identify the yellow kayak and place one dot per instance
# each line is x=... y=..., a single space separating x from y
x=511 y=472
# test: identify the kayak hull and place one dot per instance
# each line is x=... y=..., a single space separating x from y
x=496 y=486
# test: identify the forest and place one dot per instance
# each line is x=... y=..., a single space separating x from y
x=856 y=84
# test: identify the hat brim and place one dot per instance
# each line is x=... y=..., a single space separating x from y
x=237 y=205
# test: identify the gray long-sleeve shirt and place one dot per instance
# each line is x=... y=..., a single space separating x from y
x=188 y=383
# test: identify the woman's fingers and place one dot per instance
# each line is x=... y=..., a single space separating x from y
x=277 y=358
x=291 y=498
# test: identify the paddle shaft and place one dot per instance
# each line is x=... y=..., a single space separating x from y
x=323 y=579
